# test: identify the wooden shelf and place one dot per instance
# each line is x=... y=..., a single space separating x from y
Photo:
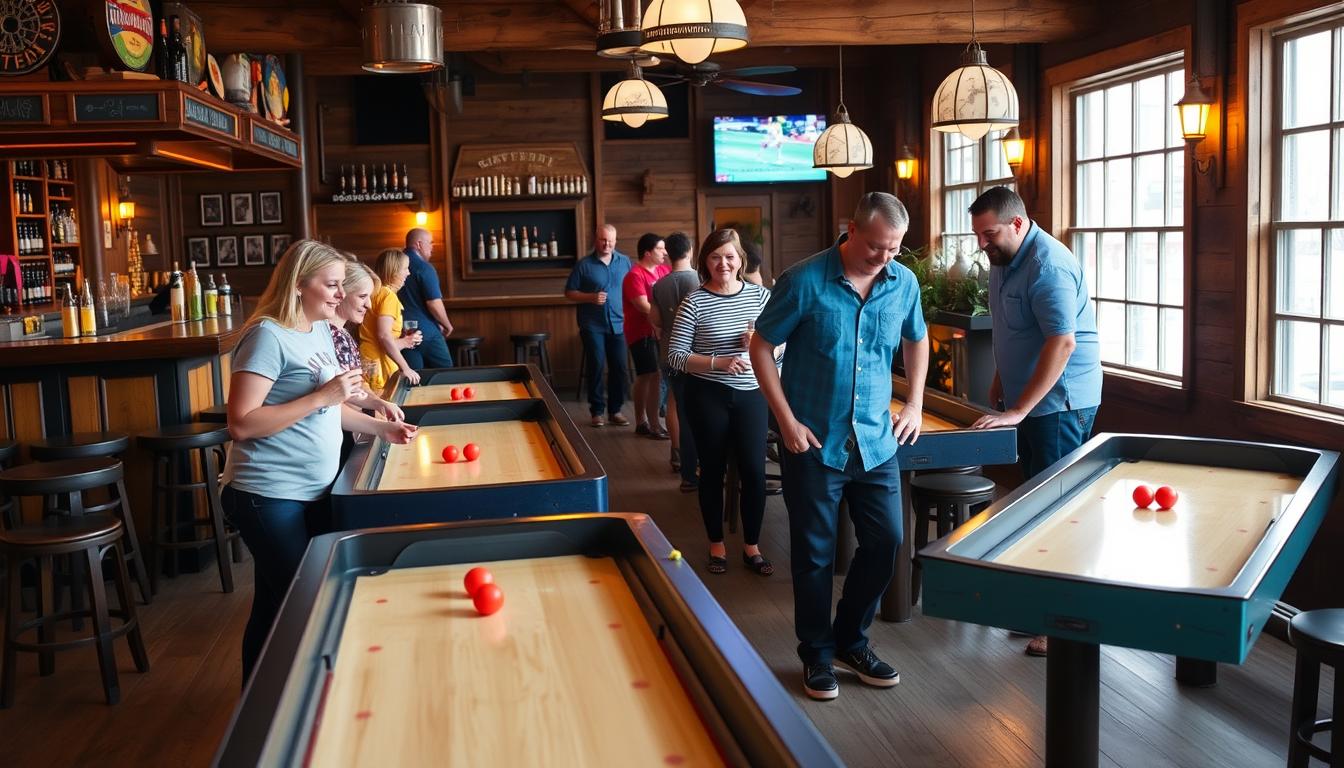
x=27 y=178
x=66 y=245
x=59 y=197
x=42 y=216
x=514 y=198
x=35 y=257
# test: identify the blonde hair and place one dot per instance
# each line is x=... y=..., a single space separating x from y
x=390 y=262
x=357 y=273
x=300 y=263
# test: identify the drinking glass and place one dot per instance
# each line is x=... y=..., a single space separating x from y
x=409 y=328
x=369 y=368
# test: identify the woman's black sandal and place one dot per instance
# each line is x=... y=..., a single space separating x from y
x=758 y=564
x=717 y=564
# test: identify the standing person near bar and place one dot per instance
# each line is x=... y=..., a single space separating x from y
x=640 y=334
x=422 y=301
x=668 y=294
x=380 y=335
x=842 y=313
x=288 y=402
x=595 y=285
x=1046 y=353
x=710 y=338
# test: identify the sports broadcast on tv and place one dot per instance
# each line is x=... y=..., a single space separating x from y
x=766 y=149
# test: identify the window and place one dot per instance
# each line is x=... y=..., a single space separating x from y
x=970 y=166
x=1126 y=226
x=1307 y=241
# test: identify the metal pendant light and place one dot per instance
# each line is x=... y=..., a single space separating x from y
x=843 y=147
x=976 y=98
x=618 y=31
x=634 y=100
x=401 y=36
x=692 y=30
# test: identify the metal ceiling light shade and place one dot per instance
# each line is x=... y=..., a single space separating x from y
x=692 y=30
x=402 y=36
x=618 y=29
x=976 y=98
x=843 y=147
x=634 y=100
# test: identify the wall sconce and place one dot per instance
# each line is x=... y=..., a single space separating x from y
x=1193 y=112
x=1014 y=149
x=126 y=216
x=905 y=163
x=421 y=218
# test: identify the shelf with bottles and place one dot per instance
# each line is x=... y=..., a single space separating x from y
x=373 y=183
x=39 y=221
x=531 y=187
x=515 y=239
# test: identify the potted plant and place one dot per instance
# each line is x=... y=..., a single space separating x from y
x=954 y=292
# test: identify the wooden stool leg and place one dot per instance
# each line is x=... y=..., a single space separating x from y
x=46 y=660
x=123 y=582
x=217 y=520
x=77 y=564
x=7 y=672
x=102 y=626
x=132 y=541
x=1306 y=684
x=174 y=508
x=519 y=353
x=545 y=362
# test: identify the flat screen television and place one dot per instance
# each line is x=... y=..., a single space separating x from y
x=766 y=149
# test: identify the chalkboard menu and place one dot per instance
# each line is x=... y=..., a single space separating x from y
x=23 y=108
x=200 y=113
x=275 y=141
x=116 y=107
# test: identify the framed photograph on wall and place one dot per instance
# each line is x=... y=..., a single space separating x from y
x=240 y=209
x=226 y=251
x=254 y=250
x=279 y=244
x=198 y=250
x=212 y=210
x=270 y=208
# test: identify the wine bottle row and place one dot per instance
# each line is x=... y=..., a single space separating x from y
x=367 y=182
x=32 y=238
x=36 y=285
x=518 y=186
x=25 y=198
x=512 y=246
x=64 y=229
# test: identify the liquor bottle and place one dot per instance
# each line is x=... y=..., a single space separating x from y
x=177 y=297
x=342 y=178
x=513 y=242
x=536 y=244
x=363 y=179
x=396 y=179
x=70 y=314
x=494 y=246
x=553 y=247
x=161 y=57
x=211 y=297
x=225 y=296
x=384 y=187
x=195 y=300
x=177 y=51
x=480 y=248
x=405 y=179
x=88 y=321
x=525 y=248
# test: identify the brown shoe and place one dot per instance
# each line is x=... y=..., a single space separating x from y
x=619 y=420
x=1037 y=646
x=598 y=421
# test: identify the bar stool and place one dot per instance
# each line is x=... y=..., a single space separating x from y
x=79 y=445
x=92 y=536
x=215 y=414
x=529 y=345
x=1318 y=637
x=466 y=350
x=9 y=451
x=953 y=497
x=68 y=480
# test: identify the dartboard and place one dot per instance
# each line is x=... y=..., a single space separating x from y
x=29 y=31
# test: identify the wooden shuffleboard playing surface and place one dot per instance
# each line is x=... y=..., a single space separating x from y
x=567 y=673
x=511 y=452
x=928 y=421
x=1202 y=542
x=441 y=394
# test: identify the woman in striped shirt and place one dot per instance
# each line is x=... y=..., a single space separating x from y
x=727 y=413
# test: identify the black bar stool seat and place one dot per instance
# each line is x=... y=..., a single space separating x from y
x=1318 y=637
x=93 y=536
x=9 y=451
x=949 y=499
x=215 y=414
x=79 y=445
x=183 y=452
x=465 y=349
x=529 y=345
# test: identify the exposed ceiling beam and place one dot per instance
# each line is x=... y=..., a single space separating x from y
x=586 y=10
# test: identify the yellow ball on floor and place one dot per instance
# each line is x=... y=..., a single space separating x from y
x=674 y=555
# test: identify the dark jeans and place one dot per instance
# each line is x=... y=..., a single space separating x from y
x=728 y=422
x=686 y=439
x=1043 y=440
x=812 y=493
x=599 y=349
x=276 y=533
x=432 y=353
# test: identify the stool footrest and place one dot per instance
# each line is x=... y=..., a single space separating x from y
x=1307 y=730
x=32 y=625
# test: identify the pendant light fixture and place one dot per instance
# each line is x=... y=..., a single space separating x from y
x=634 y=100
x=843 y=147
x=401 y=36
x=976 y=98
x=692 y=30
x=618 y=29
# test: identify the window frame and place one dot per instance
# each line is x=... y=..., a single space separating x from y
x=941 y=188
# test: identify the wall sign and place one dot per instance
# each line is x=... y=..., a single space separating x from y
x=203 y=114
x=116 y=108
x=29 y=31
x=274 y=141
x=130 y=25
x=23 y=108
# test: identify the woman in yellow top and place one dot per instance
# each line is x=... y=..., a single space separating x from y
x=380 y=336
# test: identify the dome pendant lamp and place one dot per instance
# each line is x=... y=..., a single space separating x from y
x=843 y=147
x=634 y=100
x=976 y=98
x=692 y=30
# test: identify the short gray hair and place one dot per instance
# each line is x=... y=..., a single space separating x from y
x=884 y=206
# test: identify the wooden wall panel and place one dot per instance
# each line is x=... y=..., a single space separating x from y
x=226 y=373
x=127 y=410
x=25 y=401
x=201 y=387
x=495 y=324
x=86 y=406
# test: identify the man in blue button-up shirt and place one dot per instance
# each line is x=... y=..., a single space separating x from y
x=842 y=314
x=595 y=284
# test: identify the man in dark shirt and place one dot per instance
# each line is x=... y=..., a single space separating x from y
x=595 y=285
x=422 y=301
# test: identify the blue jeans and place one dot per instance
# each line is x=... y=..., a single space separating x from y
x=812 y=493
x=1043 y=440
x=602 y=349
x=276 y=533
x=432 y=353
x=690 y=458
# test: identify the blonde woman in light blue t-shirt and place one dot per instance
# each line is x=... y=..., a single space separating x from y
x=289 y=399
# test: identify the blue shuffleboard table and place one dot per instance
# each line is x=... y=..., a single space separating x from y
x=486 y=383
x=1069 y=555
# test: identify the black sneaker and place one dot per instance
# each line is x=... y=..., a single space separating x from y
x=819 y=682
x=870 y=669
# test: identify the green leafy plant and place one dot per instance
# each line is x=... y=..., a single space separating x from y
x=940 y=291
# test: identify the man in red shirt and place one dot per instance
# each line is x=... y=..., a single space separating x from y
x=640 y=335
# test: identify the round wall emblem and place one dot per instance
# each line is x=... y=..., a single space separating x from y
x=29 y=31
x=130 y=24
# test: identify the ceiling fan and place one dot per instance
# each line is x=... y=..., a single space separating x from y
x=709 y=73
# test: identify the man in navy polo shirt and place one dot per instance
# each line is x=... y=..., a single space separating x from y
x=595 y=284
x=1046 y=353
x=842 y=313
x=422 y=301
